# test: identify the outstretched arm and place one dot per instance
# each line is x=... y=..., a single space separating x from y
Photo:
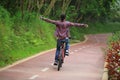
x=48 y=20
x=78 y=24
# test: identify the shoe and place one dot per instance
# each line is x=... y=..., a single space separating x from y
x=55 y=63
x=67 y=53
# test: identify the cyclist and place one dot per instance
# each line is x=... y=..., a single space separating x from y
x=62 y=33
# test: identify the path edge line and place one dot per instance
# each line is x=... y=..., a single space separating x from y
x=105 y=72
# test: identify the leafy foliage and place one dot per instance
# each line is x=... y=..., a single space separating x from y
x=24 y=37
x=113 y=56
x=83 y=9
x=115 y=37
x=113 y=59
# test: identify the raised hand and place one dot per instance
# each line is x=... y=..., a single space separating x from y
x=86 y=25
x=41 y=17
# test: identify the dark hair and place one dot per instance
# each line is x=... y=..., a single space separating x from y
x=62 y=16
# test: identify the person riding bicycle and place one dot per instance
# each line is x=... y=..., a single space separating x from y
x=62 y=33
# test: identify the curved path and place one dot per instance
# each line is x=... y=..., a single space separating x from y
x=86 y=62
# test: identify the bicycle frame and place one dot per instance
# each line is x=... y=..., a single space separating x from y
x=61 y=55
x=63 y=50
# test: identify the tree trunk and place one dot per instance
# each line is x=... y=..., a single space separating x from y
x=39 y=5
x=78 y=3
x=47 y=12
x=30 y=5
x=22 y=7
x=65 y=5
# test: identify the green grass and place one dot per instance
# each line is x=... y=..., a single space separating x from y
x=24 y=38
x=27 y=44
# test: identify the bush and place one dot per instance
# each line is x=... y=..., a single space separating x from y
x=24 y=37
x=115 y=37
x=113 y=57
x=5 y=30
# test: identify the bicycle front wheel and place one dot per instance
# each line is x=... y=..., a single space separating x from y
x=60 y=62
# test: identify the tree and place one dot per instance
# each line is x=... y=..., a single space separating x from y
x=65 y=5
x=84 y=9
x=22 y=7
x=47 y=11
x=39 y=5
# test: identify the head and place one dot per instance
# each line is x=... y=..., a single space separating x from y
x=62 y=16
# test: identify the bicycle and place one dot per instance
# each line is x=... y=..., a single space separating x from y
x=61 y=55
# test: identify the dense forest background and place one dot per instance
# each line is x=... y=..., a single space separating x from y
x=23 y=34
x=76 y=10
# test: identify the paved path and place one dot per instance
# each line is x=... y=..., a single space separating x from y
x=85 y=62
